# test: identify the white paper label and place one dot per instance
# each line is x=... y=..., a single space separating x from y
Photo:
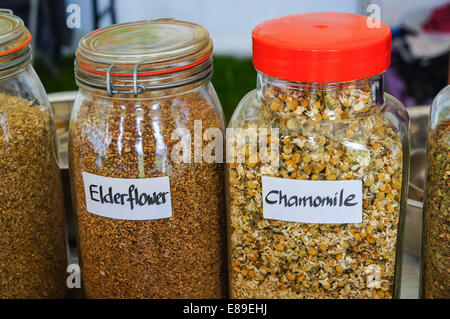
x=130 y=199
x=319 y=202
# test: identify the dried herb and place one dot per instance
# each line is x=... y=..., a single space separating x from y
x=178 y=257
x=319 y=130
x=33 y=256
x=436 y=243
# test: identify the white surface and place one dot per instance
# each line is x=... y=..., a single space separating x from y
x=230 y=22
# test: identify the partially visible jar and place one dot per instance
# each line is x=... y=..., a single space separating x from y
x=435 y=277
x=33 y=253
x=316 y=205
x=150 y=212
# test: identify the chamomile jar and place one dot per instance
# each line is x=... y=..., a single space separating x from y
x=316 y=189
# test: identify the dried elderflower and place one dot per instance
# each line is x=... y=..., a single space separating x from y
x=177 y=257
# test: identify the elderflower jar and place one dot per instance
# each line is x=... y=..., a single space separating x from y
x=318 y=164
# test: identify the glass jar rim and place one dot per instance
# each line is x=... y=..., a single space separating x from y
x=175 y=69
x=275 y=80
x=136 y=51
x=15 y=40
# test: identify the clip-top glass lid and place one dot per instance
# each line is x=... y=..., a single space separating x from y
x=157 y=45
x=13 y=34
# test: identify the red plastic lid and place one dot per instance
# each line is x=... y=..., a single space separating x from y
x=321 y=47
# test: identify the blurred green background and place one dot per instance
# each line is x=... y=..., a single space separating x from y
x=232 y=79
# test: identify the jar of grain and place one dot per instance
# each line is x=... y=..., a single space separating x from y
x=33 y=254
x=150 y=209
x=435 y=279
x=317 y=164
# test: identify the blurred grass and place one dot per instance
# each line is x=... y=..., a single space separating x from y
x=62 y=80
x=232 y=79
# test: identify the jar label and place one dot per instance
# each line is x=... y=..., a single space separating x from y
x=127 y=198
x=319 y=202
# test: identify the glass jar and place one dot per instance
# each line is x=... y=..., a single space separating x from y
x=33 y=254
x=316 y=205
x=150 y=209
x=436 y=220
